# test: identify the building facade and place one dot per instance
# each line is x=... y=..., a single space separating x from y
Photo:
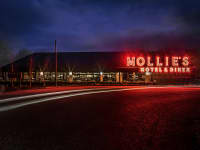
x=105 y=67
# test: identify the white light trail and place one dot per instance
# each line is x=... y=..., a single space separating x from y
x=44 y=94
x=18 y=105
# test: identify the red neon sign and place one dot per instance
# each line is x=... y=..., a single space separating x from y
x=174 y=64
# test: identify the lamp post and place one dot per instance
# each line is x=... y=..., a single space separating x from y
x=56 y=62
x=30 y=72
x=12 y=70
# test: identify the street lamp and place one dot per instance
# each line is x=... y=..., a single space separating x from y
x=41 y=73
x=101 y=76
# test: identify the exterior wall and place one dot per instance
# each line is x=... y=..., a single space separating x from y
x=114 y=76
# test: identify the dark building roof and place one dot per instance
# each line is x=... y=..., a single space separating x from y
x=80 y=61
x=68 y=61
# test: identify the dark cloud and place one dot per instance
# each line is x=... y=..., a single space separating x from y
x=86 y=25
x=189 y=14
x=155 y=41
x=20 y=17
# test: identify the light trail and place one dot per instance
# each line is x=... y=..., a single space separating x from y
x=44 y=94
x=83 y=92
x=18 y=105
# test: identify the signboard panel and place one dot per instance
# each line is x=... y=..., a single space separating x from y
x=157 y=64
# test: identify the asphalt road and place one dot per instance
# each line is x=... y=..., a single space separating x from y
x=135 y=119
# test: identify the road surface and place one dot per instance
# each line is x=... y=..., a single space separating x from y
x=114 y=118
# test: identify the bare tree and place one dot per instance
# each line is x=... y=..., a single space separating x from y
x=69 y=68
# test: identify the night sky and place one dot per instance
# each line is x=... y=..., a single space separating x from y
x=100 y=25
